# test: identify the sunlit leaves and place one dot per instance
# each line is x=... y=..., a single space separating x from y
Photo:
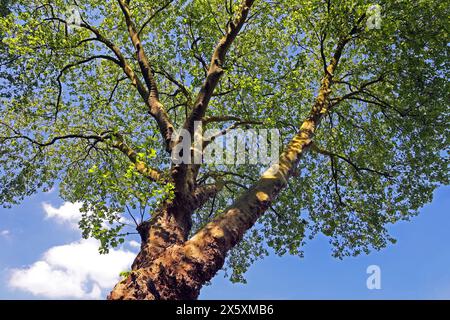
x=389 y=142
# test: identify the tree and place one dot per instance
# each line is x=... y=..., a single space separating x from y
x=93 y=108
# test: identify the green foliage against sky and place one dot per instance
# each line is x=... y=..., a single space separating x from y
x=378 y=155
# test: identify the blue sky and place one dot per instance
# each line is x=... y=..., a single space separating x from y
x=42 y=256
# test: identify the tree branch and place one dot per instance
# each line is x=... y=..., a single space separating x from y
x=106 y=137
x=71 y=65
x=208 y=120
x=177 y=83
x=205 y=192
x=141 y=167
x=128 y=70
x=223 y=132
x=215 y=70
x=155 y=107
x=142 y=59
x=153 y=15
x=357 y=168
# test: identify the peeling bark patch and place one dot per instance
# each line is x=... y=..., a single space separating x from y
x=262 y=196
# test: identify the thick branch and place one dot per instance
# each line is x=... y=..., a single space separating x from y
x=142 y=59
x=155 y=107
x=150 y=95
x=203 y=193
x=140 y=166
x=215 y=69
x=185 y=175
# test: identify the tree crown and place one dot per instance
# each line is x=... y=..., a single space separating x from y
x=75 y=110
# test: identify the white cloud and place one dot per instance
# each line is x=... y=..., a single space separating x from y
x=75 y=270
x=134 y=244
x=5 y=233
x=68 y=213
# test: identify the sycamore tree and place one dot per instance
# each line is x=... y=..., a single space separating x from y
x=94 y=95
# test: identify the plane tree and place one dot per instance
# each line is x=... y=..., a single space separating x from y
x=94 y=92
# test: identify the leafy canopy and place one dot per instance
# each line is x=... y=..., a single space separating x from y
x=378 y=155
